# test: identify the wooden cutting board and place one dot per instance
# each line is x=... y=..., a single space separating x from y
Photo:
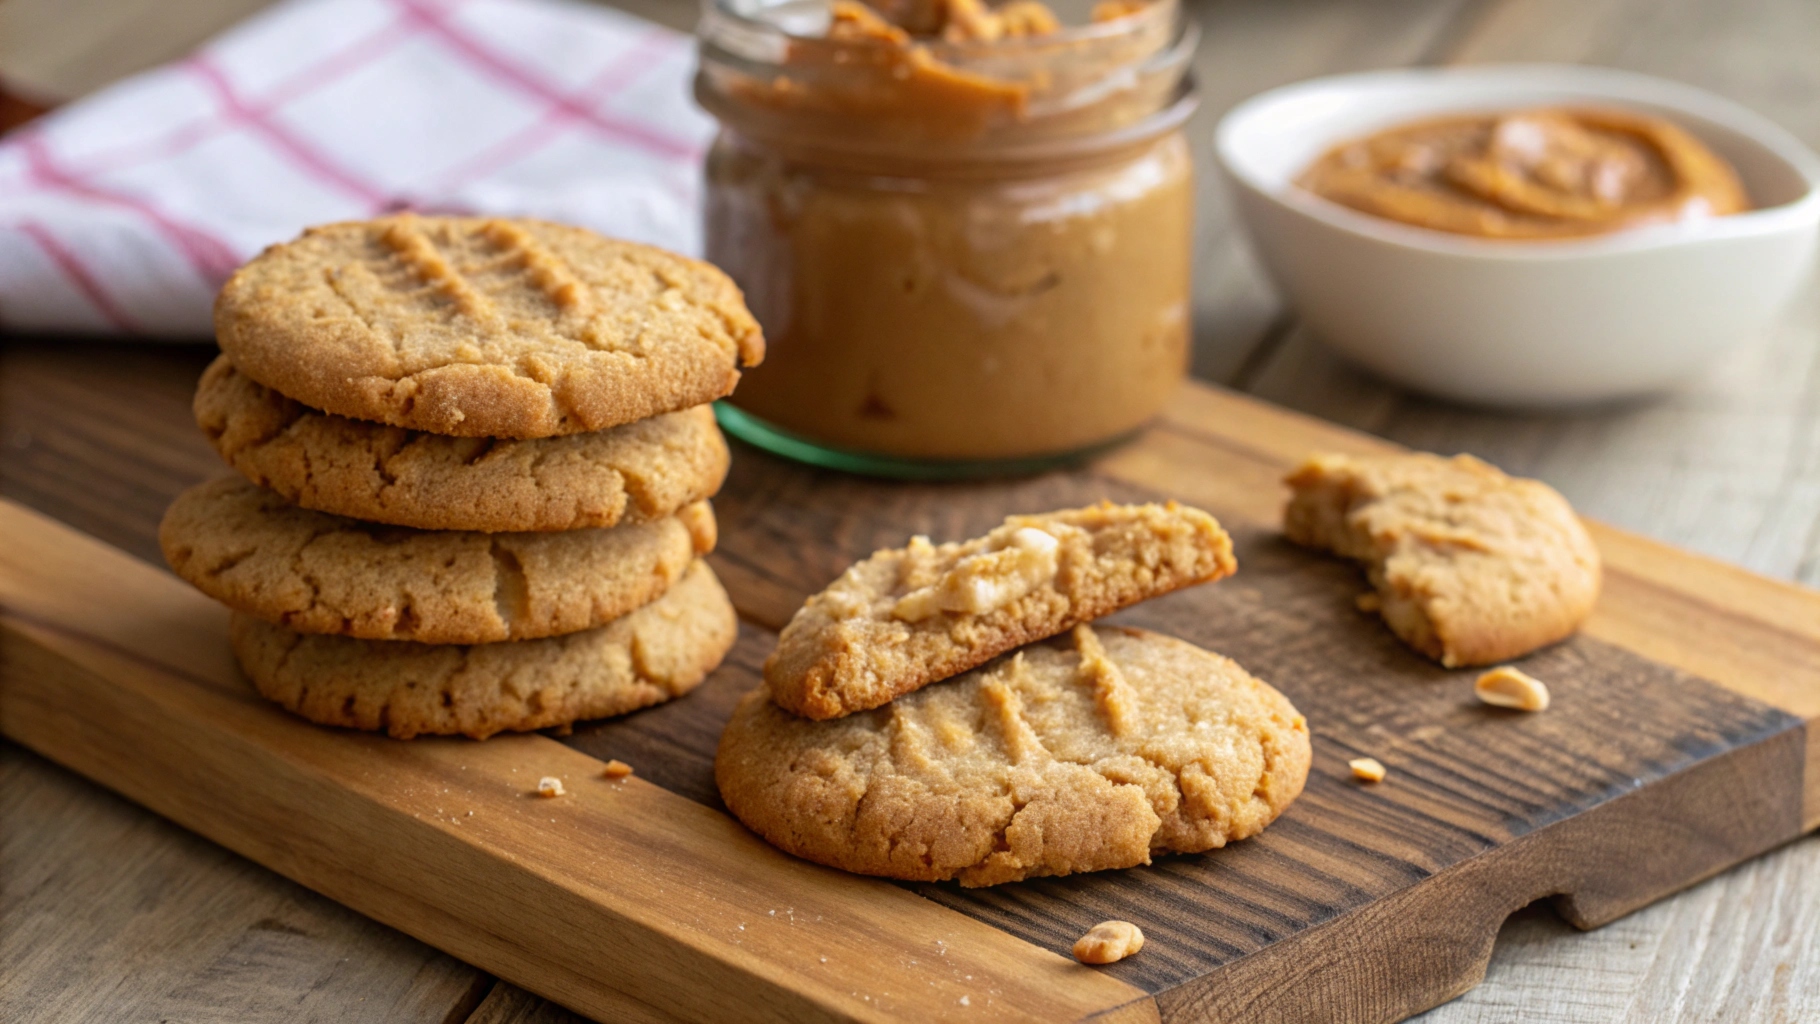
x=1678 y=744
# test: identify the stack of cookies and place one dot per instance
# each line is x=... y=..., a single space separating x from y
x=475 y=459
x=903 y=731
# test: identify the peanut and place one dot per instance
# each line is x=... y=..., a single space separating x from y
x=1108 y=942
x=1508 y=687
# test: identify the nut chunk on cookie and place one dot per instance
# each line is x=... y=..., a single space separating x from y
x=904 y=618
x=1471 y=566
x=1084 y=753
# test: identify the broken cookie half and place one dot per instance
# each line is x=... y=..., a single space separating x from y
x=1471 y=566
x=907 y=617
x=1084 y=753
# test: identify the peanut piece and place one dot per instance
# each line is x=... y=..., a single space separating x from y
x=1367 y=769
x=1507 y=687
x=616 y=769
x=1108 y=942
x=550 y=787
x=987 y=581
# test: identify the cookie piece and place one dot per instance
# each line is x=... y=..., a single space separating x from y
x=906 y=617
x=1471 y=566
x=1087 y=752
x=316 y=573
x=660 y=651
x=484 y=327
x=640 y=471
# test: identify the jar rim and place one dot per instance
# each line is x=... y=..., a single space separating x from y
x=1000 y=159
x=1038 y=97
x=743 y=16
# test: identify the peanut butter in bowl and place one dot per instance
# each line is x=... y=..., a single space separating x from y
x=966 y=229
x=1539 y=173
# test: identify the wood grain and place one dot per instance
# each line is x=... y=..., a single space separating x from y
x=509 y=1004
x=100 y=435
x=120 y=672
x=1757 y=636
x=1407 y=881
x=1726 y=467
x=1741 y=947
x=1246 y=48
x=64 y=49
x=272 y=952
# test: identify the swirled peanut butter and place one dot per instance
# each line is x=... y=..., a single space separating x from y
x=957 y=257
x=1542 y=173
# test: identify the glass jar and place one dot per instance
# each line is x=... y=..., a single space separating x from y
x=967 y=257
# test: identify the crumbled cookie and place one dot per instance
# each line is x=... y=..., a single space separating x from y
x=485 y=327
x=384 y=474
x=1083 y=753
x=316 y=573
x=906 y=617
x=1367 y=769
x=550 y=787
x=1471 y=566
x=662 y=650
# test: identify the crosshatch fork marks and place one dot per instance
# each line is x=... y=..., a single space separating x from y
x=419 y=254
x=501 y=276
x=544 y=268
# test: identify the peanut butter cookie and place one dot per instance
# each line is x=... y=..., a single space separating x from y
x=662 y=650
x=1083 y=753
x=485 y=327
x=316 y=573
x=907 y=617
x=1471 y=566
x=640 y=471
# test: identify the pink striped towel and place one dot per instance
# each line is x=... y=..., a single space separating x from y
x=123 y=213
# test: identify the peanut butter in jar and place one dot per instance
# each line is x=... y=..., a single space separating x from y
x=970 y=247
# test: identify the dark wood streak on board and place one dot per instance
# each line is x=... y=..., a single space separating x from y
x=1466 y=780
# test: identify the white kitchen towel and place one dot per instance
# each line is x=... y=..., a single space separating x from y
x=124 y=212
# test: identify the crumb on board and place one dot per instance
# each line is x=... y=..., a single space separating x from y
x=1510 y=687
x=1367 y=769
x=1369 y=601
x=616 y=769
x=550 y=786
x=1108 y=942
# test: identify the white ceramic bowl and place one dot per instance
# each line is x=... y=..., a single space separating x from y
x=1520 y=322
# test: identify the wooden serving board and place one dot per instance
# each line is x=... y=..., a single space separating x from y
x=1679 y=743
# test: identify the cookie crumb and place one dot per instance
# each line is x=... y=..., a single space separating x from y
x=1108 y=942
x=1508 y=687
x=1367 y=769
x=550 y=786
x=1369 y=601
x=616 y=769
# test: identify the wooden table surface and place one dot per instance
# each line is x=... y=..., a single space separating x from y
x=109 y=913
